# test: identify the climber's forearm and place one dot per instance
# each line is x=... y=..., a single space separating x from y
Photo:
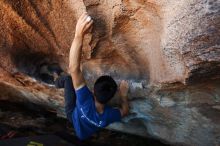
x=124 y=107
x=74 y=62
x=83 y=24
x=75 y=54
x=123 y=90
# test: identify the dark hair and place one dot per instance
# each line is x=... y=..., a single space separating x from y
x=104 y=89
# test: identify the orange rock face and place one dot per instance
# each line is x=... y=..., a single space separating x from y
x=153 y=41
x=154 y=44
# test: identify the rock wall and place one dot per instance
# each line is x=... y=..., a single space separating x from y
x=169 y=52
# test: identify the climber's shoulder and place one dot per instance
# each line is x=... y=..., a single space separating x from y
x=83 y=95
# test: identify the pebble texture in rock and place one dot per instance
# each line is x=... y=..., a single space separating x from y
x=169 y=52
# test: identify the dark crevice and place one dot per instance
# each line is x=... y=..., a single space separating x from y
x=36 y=64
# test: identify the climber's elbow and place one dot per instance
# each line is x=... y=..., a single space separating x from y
x=73 y=68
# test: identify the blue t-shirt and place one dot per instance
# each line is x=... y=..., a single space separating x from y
x=86 y=120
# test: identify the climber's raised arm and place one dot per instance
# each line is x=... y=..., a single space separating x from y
x=123 y=90
x=83 y=24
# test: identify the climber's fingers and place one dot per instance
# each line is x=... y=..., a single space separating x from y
x=85 y=18
x=83 y=24
x=81 y=18
x=86 y=22
x=88 y=25
x=90 y=29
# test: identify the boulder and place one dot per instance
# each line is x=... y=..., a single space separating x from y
x=169 y=51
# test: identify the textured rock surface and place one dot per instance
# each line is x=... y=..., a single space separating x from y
x=168 y=50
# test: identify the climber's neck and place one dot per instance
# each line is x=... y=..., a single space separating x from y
x=99 y=107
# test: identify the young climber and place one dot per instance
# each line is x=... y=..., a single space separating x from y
x=88 y=111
